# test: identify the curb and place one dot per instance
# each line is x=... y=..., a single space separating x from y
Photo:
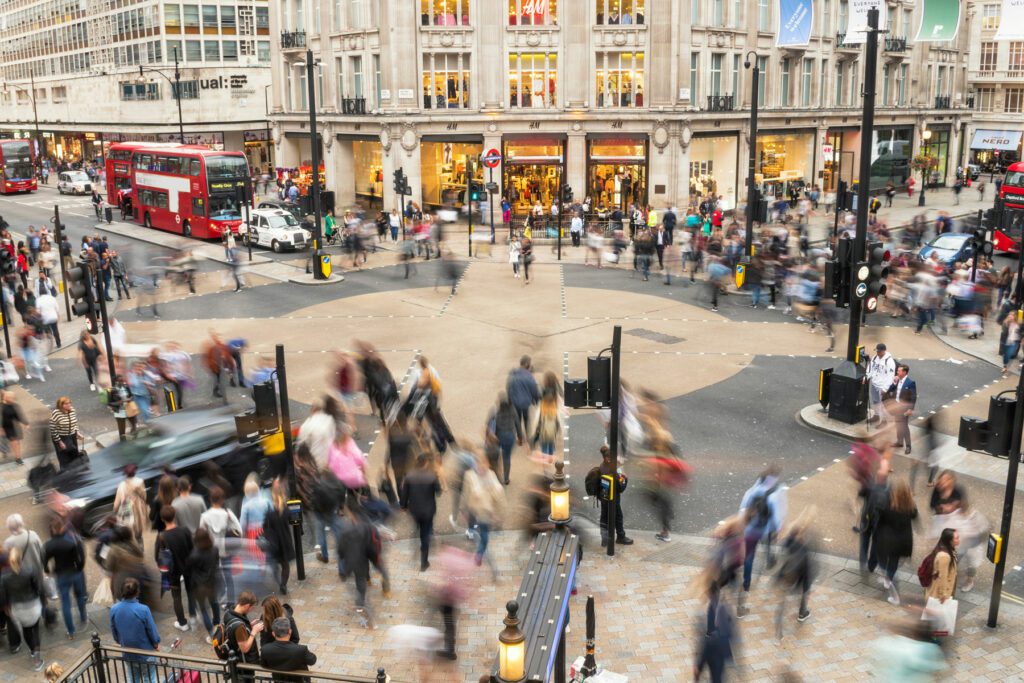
x=861 y=434
x=310 y=281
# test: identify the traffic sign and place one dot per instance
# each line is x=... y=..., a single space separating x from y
x=862 y=289
x=492 y=158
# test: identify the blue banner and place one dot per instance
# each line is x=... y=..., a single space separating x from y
x=795 y=18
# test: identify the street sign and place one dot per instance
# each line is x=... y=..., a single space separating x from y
x=826 y=150
x=492 y=158
x=491 y=187
x=862 y=289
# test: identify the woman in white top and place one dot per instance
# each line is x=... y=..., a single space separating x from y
x=514 y=249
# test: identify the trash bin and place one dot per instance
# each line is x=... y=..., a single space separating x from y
x=973 y=433
x=847 y=394
x=599 y=381
x=575 y=393
x=108 y=213
x=1000 y=422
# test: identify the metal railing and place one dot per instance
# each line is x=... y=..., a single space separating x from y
x=291 y=39
x=111 y=664
x=720 y=103
x=895 y=44
x=841 y=42
x=942 y=102
x=353 y=105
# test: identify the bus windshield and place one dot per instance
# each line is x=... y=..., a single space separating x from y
x=226 y=167
x=17 y=160
x=1014 y=178
x=225 y=207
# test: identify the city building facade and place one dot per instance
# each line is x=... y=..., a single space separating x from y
x=622 y=100
x=70 y=68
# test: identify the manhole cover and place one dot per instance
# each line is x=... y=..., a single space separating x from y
x=655 y=336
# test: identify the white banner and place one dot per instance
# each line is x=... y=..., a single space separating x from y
x=856 y=31
x=1011 y=23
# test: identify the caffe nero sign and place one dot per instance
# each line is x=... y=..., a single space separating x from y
x=238 y=84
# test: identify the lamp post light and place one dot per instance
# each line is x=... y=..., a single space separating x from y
x=559 y=491
x=35 y=113
x=511 y=647
x=755 y=85
x=926 y=135
x=175 y=84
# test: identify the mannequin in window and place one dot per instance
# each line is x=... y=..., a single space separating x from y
x=613 y=17
x=513 y=96
x=639 y=96
x=627 y=18
x=538 y=99
x=439 y=99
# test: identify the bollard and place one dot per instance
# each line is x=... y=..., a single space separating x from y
x=97 y=659
x=381 y=676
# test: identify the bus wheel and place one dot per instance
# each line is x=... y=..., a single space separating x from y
x=186 y=229
x=145 y=220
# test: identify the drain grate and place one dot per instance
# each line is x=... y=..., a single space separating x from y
x=655 y=336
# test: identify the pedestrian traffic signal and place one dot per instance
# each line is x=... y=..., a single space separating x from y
x=878 y=272
x=979 y=242
x=990 y=219
x=476 y=191
x=80 y=289
x=400 y=182
x=8 y=266
x=567 y=194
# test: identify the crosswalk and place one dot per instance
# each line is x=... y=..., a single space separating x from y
x=75 y=206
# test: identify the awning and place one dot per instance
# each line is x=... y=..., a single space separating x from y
x=996 y=139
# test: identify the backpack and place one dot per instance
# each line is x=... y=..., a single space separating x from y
x=762 y=511
x=926 y=571
x=328 y=493
x=219 y=640
x=592 y=482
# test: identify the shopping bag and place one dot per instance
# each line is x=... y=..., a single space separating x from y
x=942 y=616
x=103 y=596
x=8 y=373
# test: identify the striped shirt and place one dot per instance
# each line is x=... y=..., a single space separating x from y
x=63 y=424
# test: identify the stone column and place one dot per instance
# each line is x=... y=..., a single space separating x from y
x=576 y=161
x=664 y=50
x=342 y=166
x=575 y=21
x=488 y=72
x=401 y=151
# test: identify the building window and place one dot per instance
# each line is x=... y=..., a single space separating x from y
x=694 y=73
x=363 y=13
x=60 y=94
x=303 y=88
x=339 y=69
x=357 y=76
x=378 y=83
x=736 y=78
x=844 y=15
x=174 y=52
x=211 y=51
x=716 y=74
x=840 y=83
x=316 y=19
x=446 y=81
x=1016 y=63
x=826 y=17
x=940 y=83
x=193 y=51
x=1013 y=102
x=610 y=12
x=230 y=50
x=533 y=12
x=986 y=99
x=854 y=73
x=227 y=20
x=736 y=15
x=908 y=20
x=300 y=15
x=886 y=76
x=191 y=16
x=210 y=22
x=806 y=83
x=444 y=12
x=990 y=17
x=154 y=53
x=695 y=12
x=901 y=85
x=823 y=84
x=263 y=51
x=338 y=15
x=718 y=12
x=620 y=79
x=989 y=53
x=890 y=19
x=189 y=90
x=763 y=15
x=762 y=81
x=533 y=80
x=784 y=91
x=172 y=18
x=132 y=91
x=263 y=21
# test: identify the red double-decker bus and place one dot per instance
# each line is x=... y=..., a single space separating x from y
x=186 y=189
x=1007 y=237
x=18 y=169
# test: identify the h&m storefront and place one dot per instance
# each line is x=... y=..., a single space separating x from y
x=891 y=152
x=714 y=167
x=617 y=171
x=443 y=164
x=533 y=168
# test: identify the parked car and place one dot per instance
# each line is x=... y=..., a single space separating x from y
x=276 y=229
x=973 y=171
x=196 y=443
x=74 y=182
x=951 y=247
x=291 y=207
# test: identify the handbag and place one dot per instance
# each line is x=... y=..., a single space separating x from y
x=8 y=372
x=103 y=596
x=50 y=588
x=131 y=409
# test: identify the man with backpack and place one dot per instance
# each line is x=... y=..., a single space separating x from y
x=594 y=487
x=238 y=635
x=764 y=509
x=880 y=375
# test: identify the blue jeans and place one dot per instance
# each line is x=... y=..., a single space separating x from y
x=1009 y=353
x=756 y=292
x=506 y=442
x=484 y=536
x=65 y=584
x=750 y=540
x=547 y=447
x=141 y=670
x=324 y=522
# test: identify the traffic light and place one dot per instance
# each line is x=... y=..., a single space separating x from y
x=8 y=266
x=566 y=194
x=476 y=191
x=401 y=184
x=837 y=274
x=80 y=289
x=878 y=270
x=980 y=243
x=841 y=190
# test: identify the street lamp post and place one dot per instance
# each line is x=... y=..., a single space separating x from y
x=926 y=135
x=314 y=150
x=35 y=114
x=175 y=84
x=266 y=109
x=755 y=84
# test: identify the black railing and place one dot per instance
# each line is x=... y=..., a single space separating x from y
x=969 y=102
x=895 y=44
x=841 y=40
x=720 y=103
x=109 y=664
x=291 y=39
x=353 y=105
x=942 y=102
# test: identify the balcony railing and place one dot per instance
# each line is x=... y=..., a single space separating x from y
x=895 y=44
x=841 y=42
x=293 y=39
x=942 y=102
x=969 y=102
x=353 y=105
x=720 y=103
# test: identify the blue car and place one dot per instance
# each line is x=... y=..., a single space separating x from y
x=950 y=248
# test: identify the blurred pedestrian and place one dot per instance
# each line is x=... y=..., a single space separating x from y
x=188 y=507
x=523 y=393
x=764 y=508
x=607 y=468
x=171 y=552
x=894 y=534
x=909 y=653
x=318 y=431
x=277 y=534
x=166 y=492
x=64 y=433
x=716 y=634
x=485 y=502
x=421 y=489
x=221 y=523
x=549 y=426
x=875 y=493
x=14 y=425
x=203 y=568
x=504 y=428
x=130 y=503
x=123 y=407
x=67 y=552
x=451 y=586
x=796 y=568
x=132 y=626
x=355 y=551
x=252 y=519
x=400 y=457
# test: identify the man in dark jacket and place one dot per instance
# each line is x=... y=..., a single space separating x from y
x=523 y=392
x=420 y=490
x=355 y=550
x=904 y=392
x=174 y=543
x=284 y=655
x=607 y=467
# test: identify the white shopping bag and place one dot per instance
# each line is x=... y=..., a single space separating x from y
x=942 y=615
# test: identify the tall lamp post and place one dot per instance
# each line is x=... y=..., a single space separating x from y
x=175 y=84
x=35 y=113
x=266 y=108
x=314 y=150
x=926 y=135
x=755 y=84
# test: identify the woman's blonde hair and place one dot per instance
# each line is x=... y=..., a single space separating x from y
x=252 y=484
x=14 y=560
x=279 y=495
x=53 y=673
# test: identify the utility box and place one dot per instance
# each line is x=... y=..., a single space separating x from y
x=847 y=393
x=575 y=393
x=974 y=433
x=599 y=381
x=1001 y=409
